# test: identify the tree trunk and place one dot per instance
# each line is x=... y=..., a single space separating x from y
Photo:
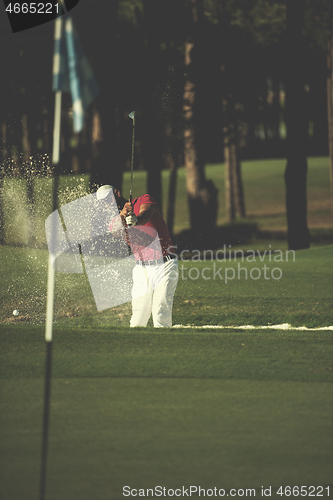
x=229 y=159
x=234 y=193
x=275 y=110
x=238 y=187
x=202 y=194
x=174 y=134
x=172 y=198
x=4 y=149
x=46 y=131
x=297 y=133
x=318 y=105
x=194 y=168
x=151 y=148
x=106 y=168
x=29 y=175
x=176 y=143
x=153 y=112
x=330 y=97
x=96 y=141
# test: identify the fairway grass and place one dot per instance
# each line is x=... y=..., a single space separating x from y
x=124 y=352
x=147 y=408
x=109 y=433
x=229 y=292
x=225 y=408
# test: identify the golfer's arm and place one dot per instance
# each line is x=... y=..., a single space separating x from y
x=146 y=212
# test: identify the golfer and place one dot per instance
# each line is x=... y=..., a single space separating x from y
x=155 y=275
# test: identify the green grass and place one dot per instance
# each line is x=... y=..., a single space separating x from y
x=302 y=296
x=118 y=352
x=146 y=408
x=168 y=407
x=173 y=407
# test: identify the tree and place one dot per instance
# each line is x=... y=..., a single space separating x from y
x=234 y=193
x=100 y=44
x=202 y=194
x=330 y=96
x=231 y=64
x=163 y=27
x=174 y=139
x=152 y=113
x=297 y=129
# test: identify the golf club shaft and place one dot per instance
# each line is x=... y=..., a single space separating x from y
x=132 y=158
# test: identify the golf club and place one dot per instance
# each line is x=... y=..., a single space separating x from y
x=132 y=116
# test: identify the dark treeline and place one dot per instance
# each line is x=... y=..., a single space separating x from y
x=216 y=71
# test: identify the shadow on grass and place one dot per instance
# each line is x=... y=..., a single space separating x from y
x=238 y=234
x=231 y=234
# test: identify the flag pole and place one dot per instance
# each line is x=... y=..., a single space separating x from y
x=73 y=73
x=55 y=162
x=50 y=291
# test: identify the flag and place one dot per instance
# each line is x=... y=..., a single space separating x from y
x=72 y=71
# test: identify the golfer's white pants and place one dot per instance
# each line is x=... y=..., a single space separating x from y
x=153 y=291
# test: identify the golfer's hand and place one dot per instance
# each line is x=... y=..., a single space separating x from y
x=131 y=220
x=127 y=209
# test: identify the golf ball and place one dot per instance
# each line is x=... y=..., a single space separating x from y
x=15 y=312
